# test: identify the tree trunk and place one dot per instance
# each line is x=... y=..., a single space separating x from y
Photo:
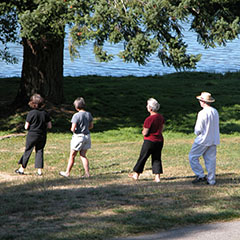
x=42 y=70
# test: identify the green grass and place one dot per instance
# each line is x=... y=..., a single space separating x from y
x=109 y=204
x=120 y=103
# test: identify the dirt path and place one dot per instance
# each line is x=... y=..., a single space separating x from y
x=4 y=177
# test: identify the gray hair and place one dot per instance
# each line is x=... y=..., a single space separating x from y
x=79 y=103
x=153 y=104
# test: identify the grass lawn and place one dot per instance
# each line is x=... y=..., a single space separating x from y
x=109 y=204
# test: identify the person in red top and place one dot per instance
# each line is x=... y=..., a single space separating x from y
x=153 y=142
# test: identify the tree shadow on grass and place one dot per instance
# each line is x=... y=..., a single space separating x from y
x=120 y=102
x=71 y=209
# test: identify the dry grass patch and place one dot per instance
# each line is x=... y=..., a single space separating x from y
x=109 y=204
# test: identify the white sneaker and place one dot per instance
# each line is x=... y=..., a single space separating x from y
x=63 y=174
x=19 y=171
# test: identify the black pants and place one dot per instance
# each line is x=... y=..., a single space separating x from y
x=34 y=140
x=155 y=150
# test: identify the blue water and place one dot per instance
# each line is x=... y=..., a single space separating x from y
x=219 y=60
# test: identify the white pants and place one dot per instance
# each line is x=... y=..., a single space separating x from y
x=209 y=156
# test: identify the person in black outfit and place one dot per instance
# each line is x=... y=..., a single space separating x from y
x=37 y=122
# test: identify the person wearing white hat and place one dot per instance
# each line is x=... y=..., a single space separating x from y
x=205 y=144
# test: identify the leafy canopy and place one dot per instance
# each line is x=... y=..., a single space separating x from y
x=143 y=27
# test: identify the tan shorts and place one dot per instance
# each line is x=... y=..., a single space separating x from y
x=80 y=142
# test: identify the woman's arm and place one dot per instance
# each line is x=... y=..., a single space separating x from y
x=73 y=127
x=49 y=125
x=145 y=131
x=27 y=124
x=90 y=125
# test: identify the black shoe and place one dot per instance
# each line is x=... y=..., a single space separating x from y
x=19 y=172
x=199 y=180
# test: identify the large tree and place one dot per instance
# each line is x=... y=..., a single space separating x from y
x=41 y=27
x=142 y=26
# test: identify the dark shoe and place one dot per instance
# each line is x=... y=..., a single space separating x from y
x=19 y=172
x=199 y=180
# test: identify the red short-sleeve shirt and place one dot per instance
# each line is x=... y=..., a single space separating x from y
x=155 y=125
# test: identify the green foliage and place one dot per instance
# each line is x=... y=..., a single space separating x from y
x=8 y=31
x=143 y=27
x=215 y=21
x=45 y=19
x=101 y=55
x=6 y=55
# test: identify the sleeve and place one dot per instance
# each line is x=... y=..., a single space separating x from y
x=29 y=117
x=198 y=126
x=90 y=117
x=147 y=123
x=74 y=118
x=48 y=119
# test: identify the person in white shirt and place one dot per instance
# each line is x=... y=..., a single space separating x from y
x=205 y=144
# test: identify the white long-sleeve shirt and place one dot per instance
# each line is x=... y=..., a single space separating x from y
x=207 y=127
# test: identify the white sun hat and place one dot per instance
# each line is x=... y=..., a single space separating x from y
x=206 y=97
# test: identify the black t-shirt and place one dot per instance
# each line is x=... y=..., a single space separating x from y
x=38 y=120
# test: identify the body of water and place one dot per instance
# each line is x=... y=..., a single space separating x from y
x=219 y=60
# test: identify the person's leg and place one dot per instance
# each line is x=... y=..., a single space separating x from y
x=157 y=178
x=71 y=159
x=210 y=163
x=75 y=146
x=39 y=148
x=196 y=152
x=157 y=161
x=144 y=154
x=30 y=143
x=85 y=162
x=86 y=144
x=72 y=156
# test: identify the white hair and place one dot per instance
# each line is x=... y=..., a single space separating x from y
x=153 y=104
